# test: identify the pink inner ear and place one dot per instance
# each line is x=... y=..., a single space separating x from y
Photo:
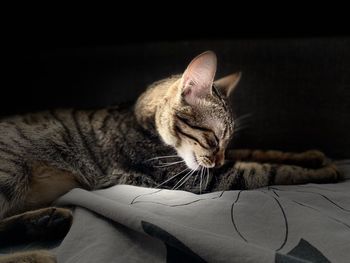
x=198 y=77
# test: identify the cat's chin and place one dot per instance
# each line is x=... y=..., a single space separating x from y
x=186 y=153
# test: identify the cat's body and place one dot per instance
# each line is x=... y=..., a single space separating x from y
x=44 y=155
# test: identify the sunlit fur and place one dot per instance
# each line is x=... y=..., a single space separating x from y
x=162 y=104
x=199 y=131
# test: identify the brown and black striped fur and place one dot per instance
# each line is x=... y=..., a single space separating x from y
x=44 y=155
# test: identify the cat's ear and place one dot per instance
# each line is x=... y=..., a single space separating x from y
x=227 y=84
x=197 y=80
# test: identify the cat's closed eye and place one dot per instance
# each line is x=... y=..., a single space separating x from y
x=212 y=140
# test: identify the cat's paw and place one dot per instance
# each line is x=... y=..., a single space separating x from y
x=327 y=174
x=48 y=223
x=335 y=174
x=38 y=225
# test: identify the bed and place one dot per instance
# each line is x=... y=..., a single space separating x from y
x=299 y=223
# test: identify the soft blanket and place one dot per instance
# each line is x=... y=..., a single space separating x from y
x=300 y=223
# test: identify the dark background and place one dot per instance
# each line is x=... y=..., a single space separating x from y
x=296 y=86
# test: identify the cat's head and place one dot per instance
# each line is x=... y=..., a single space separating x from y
x=194 y=116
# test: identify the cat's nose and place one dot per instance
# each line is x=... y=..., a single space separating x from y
x=220 y=159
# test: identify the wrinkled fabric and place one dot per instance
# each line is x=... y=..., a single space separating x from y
x=296 y=223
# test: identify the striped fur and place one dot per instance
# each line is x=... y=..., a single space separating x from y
x=99 y=148
x=44 y=155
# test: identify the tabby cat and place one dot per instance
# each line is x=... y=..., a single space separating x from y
x=175 y=137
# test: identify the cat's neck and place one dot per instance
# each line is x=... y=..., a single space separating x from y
x=153 y=100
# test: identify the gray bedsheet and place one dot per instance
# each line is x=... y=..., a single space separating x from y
x=303 y=223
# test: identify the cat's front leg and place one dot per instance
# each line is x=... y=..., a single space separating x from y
x=252 y=175
x=308 y=159
x=38 y=225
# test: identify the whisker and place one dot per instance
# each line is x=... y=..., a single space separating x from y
x=168 y=164
x=208 y=174
x=188 y=177
x=243 y=117
x=195 y=178
x=172 y=177
x=241 y=123
x=238 y=122
x=200 y=182
x=185 y=178
x=182 y=178
x=162 y=157
x=240 y=129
